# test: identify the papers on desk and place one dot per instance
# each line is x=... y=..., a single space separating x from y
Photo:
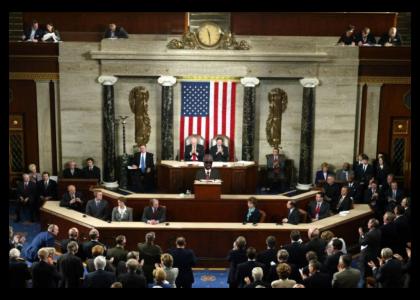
x=363 y=247
x=211 y=180
x=130 y=168
x=344 y=213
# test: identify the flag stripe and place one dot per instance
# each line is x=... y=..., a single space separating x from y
x=224 y=104
x=219 y=110
x=216 y=110
x=232 y=121
x=182 y=138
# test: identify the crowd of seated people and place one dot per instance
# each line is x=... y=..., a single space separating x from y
x=366 y=38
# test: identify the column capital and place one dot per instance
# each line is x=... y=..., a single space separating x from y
x=309 y=82
x=250 y=81
x=107 y=80
x=167 y=80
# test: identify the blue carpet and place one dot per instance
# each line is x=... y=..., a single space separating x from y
x=210 y=279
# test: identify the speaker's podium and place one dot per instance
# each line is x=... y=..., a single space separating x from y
x=207 y=189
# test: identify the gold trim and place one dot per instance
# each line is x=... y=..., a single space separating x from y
x=385 y=79
x=33 y=76
x=206 y=78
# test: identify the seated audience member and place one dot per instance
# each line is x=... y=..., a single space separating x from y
x=344 y=202
x=18 y=270
x=27 y=203
x=365 y=38
x=283 y=258
x=389 y=273
x=72 y=171
x=346 y=277
x=51 y=34
x=316 y=244
x=159 y=279
x=331 y=191
x=322 y=174
x=167 y=262
x=73 y=237
x=41 y=240
x=118 y=253
x=354 y=191
x=142 y=173
x=253 y=214
x=296 y=249
x=389 y=235
x=194 y=151
x=122 y=212
x=375 y=199
x=34 y=175
x=33 y=33
x=269 y=255
x=150 y=253
x=72 y=199
x=132 y=279
x=370 y=243
x=219 y=152
x=276 y=171
x=343 y=174
x=358 y=161
x=91 y=171
x=245 y=269
x=207 y=173
x=98 y=250
x=364 y=172
x=257 y=279
x=347 y=38
x=88 y=245
x=70 y=267
x=393 y=196
x=318 y=209
x=235 y=257
x=97 y=207
x=154 y=213
x=44 y=273
x=387 y=184
x=293 y=216
x=381 y=171
x=184 y=260
x=115 y=32
x=100 y=278
x=391 y=38
x=331 y=260
x=122 y=267
x=316 y=278
x=283 y=271
x=47 y=189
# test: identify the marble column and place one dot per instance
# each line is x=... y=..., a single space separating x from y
x=248 y=127
x=167 y=117
x=307 y=133
x=373 y=102
x=108 y=144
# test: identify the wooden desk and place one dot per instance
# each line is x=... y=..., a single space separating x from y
x=207 y=191
x=177 y=177
x=211 y=242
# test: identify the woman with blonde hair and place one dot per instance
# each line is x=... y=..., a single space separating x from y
x=159 y=276
x=34 y=176
x=167 y=262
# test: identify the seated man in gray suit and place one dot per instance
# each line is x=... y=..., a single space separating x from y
x=154 y=214
x=122 y=212
x=207 y=172
x=98 y=208
x=343 y=174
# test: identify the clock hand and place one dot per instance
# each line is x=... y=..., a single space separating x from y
x=208 y=32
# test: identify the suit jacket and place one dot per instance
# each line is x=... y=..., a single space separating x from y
x=245 y=270
x=87 y=248
x=389 y=275
x=38 y=33
x=71 y=269
x=317 y=280
x=354 y=191
x=118 y=253
x=99 y=279
x=297 y=252
x=318 y=245
x=78 y=173
x=218 y=156
x=331 y=262
x=90 y=266
x=381 y=174
x=398 y=198
x=266 y=257
x=119 y=33
x=253 y=218
x=159 y=215
x=201 y=174
x=18 y=273
x=235 y=257
x=148 y=160
x=344 y=205
x=30 y=191
x=369 y=39
x=323 y=213
x=65 y=202
x=332 y=193
x=133 y=280
x=403 y=229
x=127 y=216
x=101 y=211
x=372 y=240
x=364 y=176
x=319 y=175
x=347 y=40
x=43 y=239
x=44 y=275
x=199 y=150
x=95 y=173
x=293 y=216
x=184 y=260
x=348 y=278
x=151 y=255
x=389 y=236
x=341 y=175
x=396 y=41
x=49 y=191
x=64 y=244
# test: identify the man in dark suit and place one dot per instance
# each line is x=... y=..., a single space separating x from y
x=100 y=278
x=282 y=258
x=331 y=191
x=402 y=226
x=47 y=189
x=365 y=38
x=276 y=171
x=150 y=253
x=194 y=151
x=391 y=38
x=354 y=191
x=41 y=240
x=118 y=253
x=98 y=208
x=331 y=261
x=375 y=199
x=18 y=270
x=292 y=213
x=219 y=151
x=316 y=244
x=364 y=172
x=73 y=237
x=142 y=173
x=26 y=199
x=91 y=171
x=345 y=202
x=70 y=267
x=318 y=209
x=72 y=199
x=115 y=32
x=296 y=250
x=184 y=260
x=393 y=196
x=245 y=269
x=72 y=171
x=154 y=213
x=88 y=245
x=236 y=256
x=269 y=255
x=370 y=245
x=33 y=33
x=346 y=277
x=132 y=279
x=316 y=279
x=207 y=173
x=389 y=236
x=44 y=273
x=389 y=274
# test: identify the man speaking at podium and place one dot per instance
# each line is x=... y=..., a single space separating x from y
x=207 y=173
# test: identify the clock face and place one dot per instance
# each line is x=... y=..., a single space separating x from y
x=209 y=34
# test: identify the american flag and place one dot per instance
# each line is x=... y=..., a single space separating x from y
x=208 y=109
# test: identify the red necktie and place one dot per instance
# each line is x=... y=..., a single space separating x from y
x=317 y=209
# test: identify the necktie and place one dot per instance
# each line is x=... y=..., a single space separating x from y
x=72 y=171
x=97 y=203
x=394 y=194
x=347 y=175
x=46 y=184
x=364 y=168
x=194 y=156
x=317 y=209
x=142 y=164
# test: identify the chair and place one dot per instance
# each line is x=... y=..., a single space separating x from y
x=200 y=139
x=226 y=140
x=303 y=216
x=263 y=216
